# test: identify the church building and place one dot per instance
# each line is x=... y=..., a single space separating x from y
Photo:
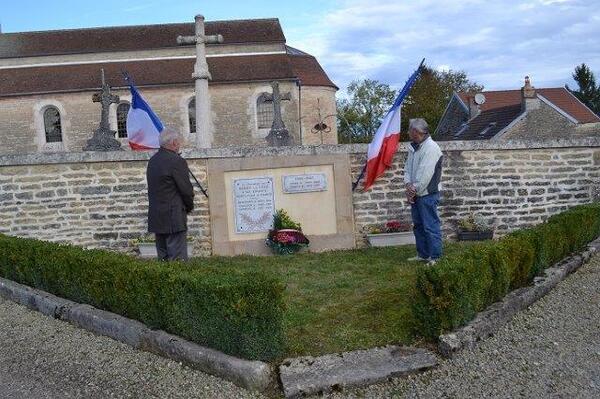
x=47 y=81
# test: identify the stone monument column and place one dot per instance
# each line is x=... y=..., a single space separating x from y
x=201 y=75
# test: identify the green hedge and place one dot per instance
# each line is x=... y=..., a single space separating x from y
x=239 y=313
x=450 y=293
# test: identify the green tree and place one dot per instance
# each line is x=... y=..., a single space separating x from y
x=431 y=93
x=589 y=91
x=360 y=114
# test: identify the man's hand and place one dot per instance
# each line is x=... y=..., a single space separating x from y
x=411 y=193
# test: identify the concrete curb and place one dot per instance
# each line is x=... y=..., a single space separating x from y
x=254 y=375
x=486 y=323
x=312 y=375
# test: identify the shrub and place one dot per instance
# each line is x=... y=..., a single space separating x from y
x=450 y=293
x=239 y=313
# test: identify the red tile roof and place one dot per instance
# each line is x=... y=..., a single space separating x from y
x=131 y=38
x=66 y=78
x=560 y=97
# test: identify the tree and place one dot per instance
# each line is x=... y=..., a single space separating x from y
x=589 y=92
x=361 y=113
x=431 y=93
x=359 y=116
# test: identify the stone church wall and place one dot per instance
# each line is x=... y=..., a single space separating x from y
x=234 y=116
x=99 y=199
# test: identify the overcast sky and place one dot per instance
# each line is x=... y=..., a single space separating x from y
x=496 y=42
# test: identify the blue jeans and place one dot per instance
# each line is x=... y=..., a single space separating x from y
x=427 y=226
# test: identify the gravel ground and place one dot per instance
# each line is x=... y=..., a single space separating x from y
x=551 y=350
x=41 y=358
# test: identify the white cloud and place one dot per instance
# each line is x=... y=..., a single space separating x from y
x=496 y=43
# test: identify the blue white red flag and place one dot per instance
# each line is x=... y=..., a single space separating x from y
x=382 y=148
x=143 y=125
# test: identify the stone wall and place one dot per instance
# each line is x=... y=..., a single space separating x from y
x=544 y=122
x=517 y=184
x=233 y=115
x=99 y=199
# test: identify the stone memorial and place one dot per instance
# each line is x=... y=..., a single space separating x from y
x=254 y=204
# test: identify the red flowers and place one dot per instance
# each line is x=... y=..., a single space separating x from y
x=395 y=226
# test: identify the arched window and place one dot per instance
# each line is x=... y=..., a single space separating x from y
x=122 y=111
x=192 y=115
x=264 y=111
x=52 y=125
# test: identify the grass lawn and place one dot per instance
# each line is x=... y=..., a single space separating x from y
x=342 y=300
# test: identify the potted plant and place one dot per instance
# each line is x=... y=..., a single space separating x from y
x=475 y=228
x=391 y=234
x=146 y=245
x=286 y=237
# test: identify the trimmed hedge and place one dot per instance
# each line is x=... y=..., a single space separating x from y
x=239 y=313
x=450 y=293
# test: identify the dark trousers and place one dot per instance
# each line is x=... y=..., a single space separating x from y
x=427 y=226
x=172 y=246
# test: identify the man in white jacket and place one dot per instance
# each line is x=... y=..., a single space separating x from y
x=422 y=175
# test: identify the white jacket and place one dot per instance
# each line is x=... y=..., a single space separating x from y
x=424 y=167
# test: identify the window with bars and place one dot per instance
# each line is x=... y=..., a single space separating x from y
x=192 y=115
x=52 y=125
x=122 y=111
x=264 y=111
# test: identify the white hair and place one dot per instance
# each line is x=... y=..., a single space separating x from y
x=168 y=136
x=419 y=125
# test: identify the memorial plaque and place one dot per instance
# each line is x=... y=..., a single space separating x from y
x=254 y=204
x=304 y=183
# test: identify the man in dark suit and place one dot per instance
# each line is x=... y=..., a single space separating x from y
x=170 y=197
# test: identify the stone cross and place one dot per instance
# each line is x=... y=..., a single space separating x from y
x=105 y=99
x=201 y=76
x=278 y=135
x=104 y=138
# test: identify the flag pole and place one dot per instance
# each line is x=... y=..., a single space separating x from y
x=401 y=96
x=199 y=185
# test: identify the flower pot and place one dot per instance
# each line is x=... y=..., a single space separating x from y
x=475 y=235
x=391 y=239
x=148 y=250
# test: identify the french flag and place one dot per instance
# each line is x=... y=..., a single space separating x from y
x=380 y=152
x=143 y=125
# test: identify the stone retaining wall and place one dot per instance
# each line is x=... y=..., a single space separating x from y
x=99 y=199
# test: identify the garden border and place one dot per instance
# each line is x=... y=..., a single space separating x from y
x=254 y=375
x=487 y=322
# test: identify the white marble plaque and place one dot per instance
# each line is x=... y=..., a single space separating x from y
x=254 y=204
x=304 y=183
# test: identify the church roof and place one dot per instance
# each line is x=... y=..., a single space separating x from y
x=132 y=38
x=228 y=69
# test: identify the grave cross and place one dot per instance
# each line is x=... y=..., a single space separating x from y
x=278 y=135
x=105 y=98
x=201 y=76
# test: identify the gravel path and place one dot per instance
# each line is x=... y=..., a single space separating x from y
x=551 y=350
x=45 y=358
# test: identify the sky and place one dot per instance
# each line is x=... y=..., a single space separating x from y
x=496 y=43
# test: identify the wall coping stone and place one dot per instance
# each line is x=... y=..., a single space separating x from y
x=255 y=151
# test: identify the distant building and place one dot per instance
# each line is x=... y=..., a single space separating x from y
x=528 y=113
x=47 y=80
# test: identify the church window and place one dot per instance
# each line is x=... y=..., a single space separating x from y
x=52 y=125
x=122 y=111
x=192 y=115
x=264 y=111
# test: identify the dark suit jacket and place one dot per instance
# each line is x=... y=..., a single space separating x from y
x=170 y=193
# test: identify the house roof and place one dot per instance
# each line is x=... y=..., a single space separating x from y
x=486 y=125
x=559 y=96
x=132 y=38
x=82 y=77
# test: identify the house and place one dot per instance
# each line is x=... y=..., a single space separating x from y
x=48 y=78
x=528 y=113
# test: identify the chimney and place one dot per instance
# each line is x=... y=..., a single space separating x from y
x=529 y=98
x=474 y=109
